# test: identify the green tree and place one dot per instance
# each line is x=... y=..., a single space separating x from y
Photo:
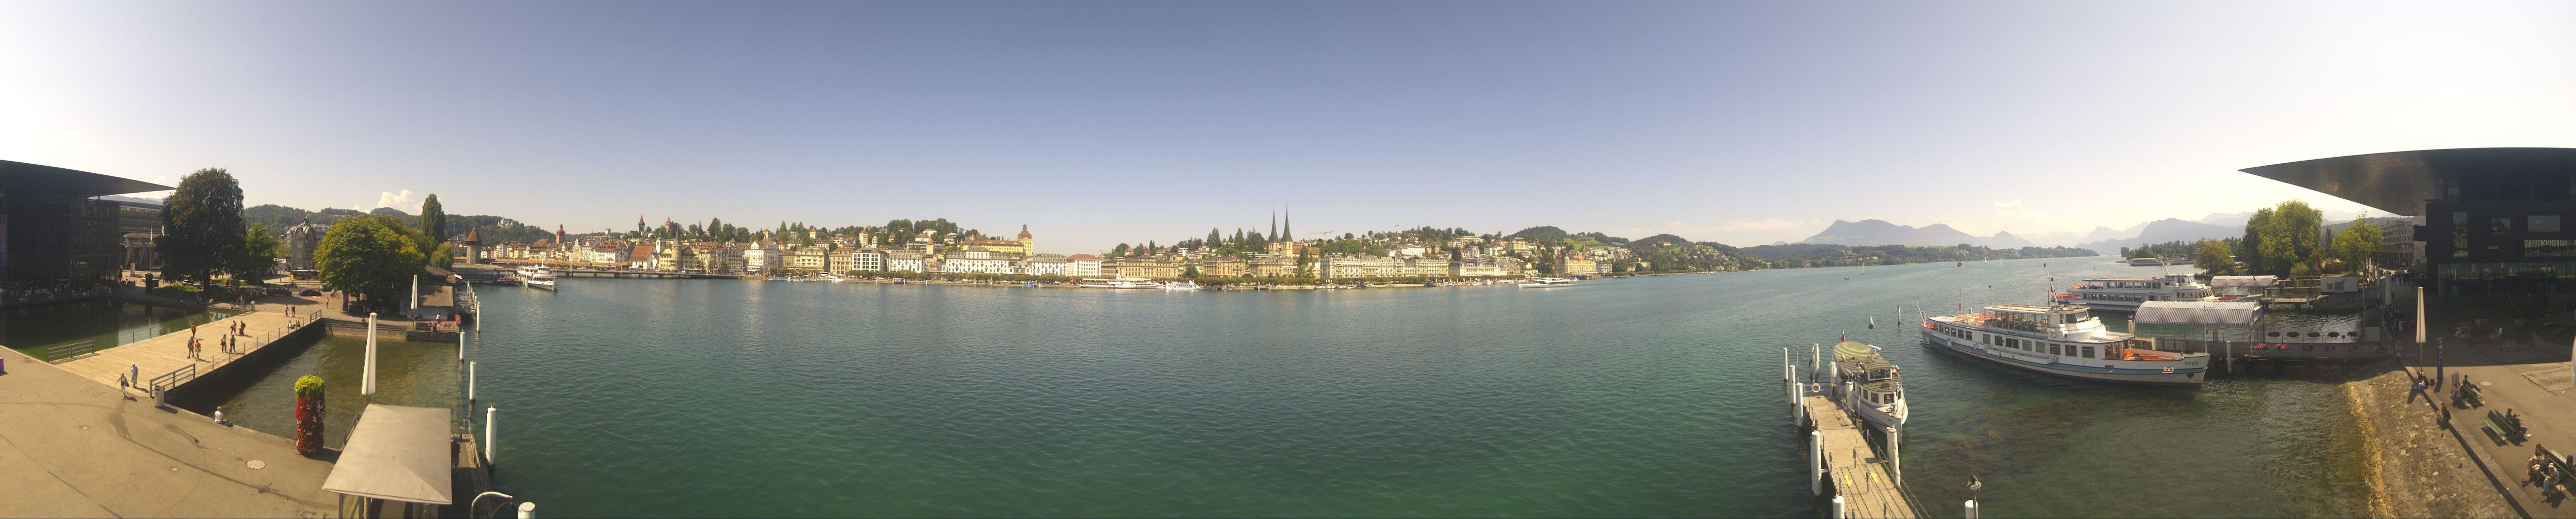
x=2293 y=236
x=203 y=225
x=368 y=256
x=2214 y=258
x=2250 y=249
x=433 y=218
x=258 y=258
x=2356 y=243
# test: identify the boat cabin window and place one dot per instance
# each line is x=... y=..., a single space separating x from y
x=2088 y=352
x=2052 y=348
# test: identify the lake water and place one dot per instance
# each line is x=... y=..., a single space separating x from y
x=1630 y=397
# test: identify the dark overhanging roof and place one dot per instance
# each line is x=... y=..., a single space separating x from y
x=42 y=180
x=2400 y=181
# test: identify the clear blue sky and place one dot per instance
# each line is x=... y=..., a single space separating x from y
x=1098 y=123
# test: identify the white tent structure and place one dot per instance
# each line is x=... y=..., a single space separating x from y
x=2243 y=281
x=397 y=464
x=2220 y=313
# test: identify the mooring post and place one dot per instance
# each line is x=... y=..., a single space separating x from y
x=1816 y=462
x=367 y=386
x=1972 y=509
x=469 y=383
x=1838 y=507
x=488 y=440
x=1895 y=462
x=528 y=510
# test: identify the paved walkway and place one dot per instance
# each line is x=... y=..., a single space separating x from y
x=168 y=353
x=2534 y=382
x=70 y=447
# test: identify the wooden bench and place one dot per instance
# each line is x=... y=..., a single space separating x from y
x=2497 y=425
x=2474 y=396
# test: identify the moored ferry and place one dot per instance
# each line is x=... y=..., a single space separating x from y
x=2151 y=262
x=538 y=277
x=2062 y=340
x=1181 y=285
x=1546 y=282
x=1116 y=283
x=1868 y=384
x=2124 y=294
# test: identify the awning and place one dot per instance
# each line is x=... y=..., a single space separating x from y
x=2243 y=281
x=397 y=453
x=2229 y=313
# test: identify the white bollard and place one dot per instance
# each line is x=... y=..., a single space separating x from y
x=367 y=386
x=1838 y=507
x=528 y=510
x=488 y=439
x=1816 y=462
x=1895 y=463
x=1972 y=509
x=469 y=383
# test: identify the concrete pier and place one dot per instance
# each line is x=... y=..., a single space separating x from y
x=168 y=354
x=74 y=447
x=1854 y=472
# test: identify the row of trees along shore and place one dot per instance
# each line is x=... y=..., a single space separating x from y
x=371 y=256
x=2289 y=239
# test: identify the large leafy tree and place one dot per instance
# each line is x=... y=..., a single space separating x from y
x=258 y=258
x=2355 y=244
x=2213 y=257
x=368 y=256
x=203 y=222
x=433 y=218
x=2293 y=236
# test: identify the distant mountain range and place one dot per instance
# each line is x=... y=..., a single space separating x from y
x=2105 y=239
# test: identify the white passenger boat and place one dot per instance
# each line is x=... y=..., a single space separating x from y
x=1119 y=283
x=1867 y=383
x=541 y=277
x=1181 y=285
x=1546 y=282
x=2151 y=262
x=2123 y=294
x=2062 y=340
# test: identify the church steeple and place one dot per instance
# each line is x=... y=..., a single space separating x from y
x=1274 y=222
x=1286 y=232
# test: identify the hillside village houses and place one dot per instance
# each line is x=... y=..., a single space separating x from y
x=927 y=251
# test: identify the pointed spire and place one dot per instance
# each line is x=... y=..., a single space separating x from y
x=1274 y=221
x=1285 y=230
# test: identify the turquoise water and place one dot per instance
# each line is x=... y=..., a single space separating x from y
x=420 y=374
x=1630 y=397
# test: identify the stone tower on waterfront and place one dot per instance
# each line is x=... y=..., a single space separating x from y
x=1028 y=242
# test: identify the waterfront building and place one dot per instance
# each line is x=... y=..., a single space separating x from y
x=304 y=237
x=810 y=258
x=906 y=260
x=2397 y=244
x=1574 y=265
x=643 y=257
x=1024 y=245
x=835 y=261
x=867 y=259
x=1476 y=267
x=1275 y=266
x=606 y=252
x=1082 y=266
x=1046 y=265
x=2495 y=220
x=977 y=261
x=55 y=232
x=1141 y=267
x=761 y=256
x=1222 y=267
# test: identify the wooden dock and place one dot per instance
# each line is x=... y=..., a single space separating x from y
x=1854 y=472
x=164 y=360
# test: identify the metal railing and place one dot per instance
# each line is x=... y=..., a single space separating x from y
x=62 y=352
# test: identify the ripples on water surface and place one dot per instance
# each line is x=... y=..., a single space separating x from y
x=1636 y=397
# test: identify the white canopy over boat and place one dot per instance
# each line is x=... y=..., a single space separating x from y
x=2243 y=281
x=2227 y=313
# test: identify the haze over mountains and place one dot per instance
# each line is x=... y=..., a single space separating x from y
x=2103 y=239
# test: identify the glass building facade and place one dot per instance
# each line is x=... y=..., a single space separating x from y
x=53 y=233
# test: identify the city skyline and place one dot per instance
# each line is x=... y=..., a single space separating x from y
x=1107 y=123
